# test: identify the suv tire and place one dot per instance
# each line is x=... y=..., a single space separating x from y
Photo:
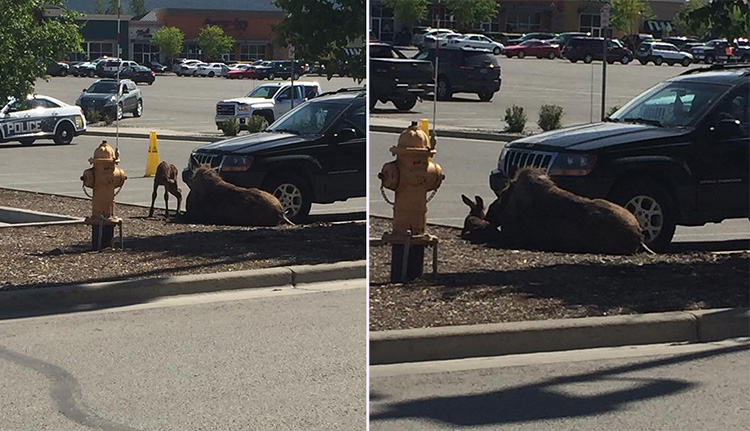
x=64 y=134
x=211 y=74
x=658 y=61
x=686 y=62
x=485 y=96
x=406 y=103
x=551 y=55
x=444 y=88
x=643 y=62
x=588 y=58
x=521 y=54
x=271 y=76
x=496 y=51
x=625 y=59
x=138 y=109
x=654 y=209
x=293 y=193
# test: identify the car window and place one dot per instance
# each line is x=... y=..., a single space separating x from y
x=478 y=59
x=103 y=88
x=311 y=91
x=309 y=118
x=131 y=86
x=736 y=106
x=18 y=105
x=47 y=103
x=264 y=92
x=424 y=55
x=358 y=118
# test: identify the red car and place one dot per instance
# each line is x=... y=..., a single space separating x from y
x=538 y=48
x=242 y=71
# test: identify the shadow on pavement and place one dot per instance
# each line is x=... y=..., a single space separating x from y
x=540 y=401
x=338 y=217
x=727 y=245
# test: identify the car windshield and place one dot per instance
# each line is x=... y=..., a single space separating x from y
x=671 y=104
x=264 y=92
x=308 y=119
x=103 y=88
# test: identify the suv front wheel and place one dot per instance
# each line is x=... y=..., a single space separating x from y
x=293 y=193
x=654 y=209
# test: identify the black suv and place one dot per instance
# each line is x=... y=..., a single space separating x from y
x=279 y=68
x=314 y=153
x=676 y=154
x=589 y=49
x=465 y=70
x=396 y=78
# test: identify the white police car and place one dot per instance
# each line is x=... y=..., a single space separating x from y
x=39 y=117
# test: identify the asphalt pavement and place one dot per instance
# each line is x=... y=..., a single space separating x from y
x=262 y=359
x=693 y=387
x=467 y=165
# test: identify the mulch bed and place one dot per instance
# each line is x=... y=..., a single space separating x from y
x=482 y=284
x=155 y=247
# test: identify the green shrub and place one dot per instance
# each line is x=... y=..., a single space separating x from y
x=93 y=116
x=108 y=119
x=230 y=127
x=550 y=117
x=256 y=123
x=516 y=119
x=612 y=110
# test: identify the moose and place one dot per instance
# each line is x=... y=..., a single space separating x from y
x=476 y=228
x=213 y=200
x=533 y=212
x=166 y=175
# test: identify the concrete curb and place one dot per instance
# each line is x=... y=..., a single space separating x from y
x=461 y=134
x=457 y=342
x=140 y=135
x=17 y=303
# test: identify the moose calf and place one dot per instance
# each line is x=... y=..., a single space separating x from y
x=534 y=213
x=213 y=200
x=476 y=227
x=166 y=175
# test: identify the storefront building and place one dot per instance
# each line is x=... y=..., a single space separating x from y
x=100 y=37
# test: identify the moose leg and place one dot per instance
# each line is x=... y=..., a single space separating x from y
x=153 y=199
x=179 y=203
x=166 y=203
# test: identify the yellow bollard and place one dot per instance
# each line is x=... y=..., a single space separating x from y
x=153 y=155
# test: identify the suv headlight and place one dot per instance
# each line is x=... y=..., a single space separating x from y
x=232 y=163
x=112 y=99
x=572 y=165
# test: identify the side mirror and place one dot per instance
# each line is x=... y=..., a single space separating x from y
x=345 y=134
x=84 y=90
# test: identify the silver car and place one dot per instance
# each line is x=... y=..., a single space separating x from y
x=660 y=52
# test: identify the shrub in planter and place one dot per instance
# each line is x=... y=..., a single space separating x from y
x=550 y=117
x=230 y=127
x=93 y=116
x=516 y=119
x=108 y=119
x=256 y=123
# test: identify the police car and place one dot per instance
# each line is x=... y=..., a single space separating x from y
x=39 y=117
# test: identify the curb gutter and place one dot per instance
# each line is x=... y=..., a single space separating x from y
x=459 y=342
x=461 y=134
x=139 y=135
x=15 y=303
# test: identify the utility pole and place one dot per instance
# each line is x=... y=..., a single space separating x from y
x=605 y=45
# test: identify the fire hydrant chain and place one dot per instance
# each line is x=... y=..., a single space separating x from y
x=432 y=195
x=385 y=197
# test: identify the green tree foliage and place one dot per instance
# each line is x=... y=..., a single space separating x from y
x=99 y=7
x=213 y=42
x=627 y=15
x=169 y=40
x=408 y=11
x=138 y=7
x=470 y=13
x=30 y=42
x=321 y=30
x=724 y=18
x=685 y=26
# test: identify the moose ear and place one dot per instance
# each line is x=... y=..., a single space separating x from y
x=467 y=201
x=480 y=202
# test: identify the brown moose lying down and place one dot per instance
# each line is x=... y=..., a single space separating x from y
x=213 y=200
x=534 y=213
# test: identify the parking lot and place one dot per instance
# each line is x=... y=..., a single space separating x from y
x=184 y=104
x=532 y=82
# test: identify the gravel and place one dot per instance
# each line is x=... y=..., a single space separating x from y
x=51 y=255
x=481 y=284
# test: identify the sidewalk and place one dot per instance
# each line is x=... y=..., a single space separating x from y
x=143 y=132
x=388 y=125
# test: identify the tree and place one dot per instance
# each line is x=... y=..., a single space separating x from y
x=408 y=11
x=213 y=42
x=99 y=7
x=627 y=15
x=322 y=30
x=169 y=40
x=138 y=7
x=683 y=23
x=31 y=42
x=470 y=13
x=725 y=18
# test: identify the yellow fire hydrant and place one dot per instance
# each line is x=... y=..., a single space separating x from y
x=103 y=177
x=412 y=175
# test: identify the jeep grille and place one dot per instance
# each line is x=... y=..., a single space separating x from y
x=515 y=159
x=225 y=109
x=197 y=159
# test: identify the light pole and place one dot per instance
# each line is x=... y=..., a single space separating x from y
x=605 y=42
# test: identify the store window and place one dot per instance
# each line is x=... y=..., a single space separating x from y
x=190 y=51
x=382 y=22
x=93 y=50
x=591 y=23
x=144 y=53
x=523 y=22
x=491 y=26
x=252 y=52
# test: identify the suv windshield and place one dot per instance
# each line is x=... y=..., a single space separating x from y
x=264 y=92
x=671 y=104
x=103 y=88
x=308 y=119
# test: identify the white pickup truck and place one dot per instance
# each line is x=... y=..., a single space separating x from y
x=270 y=101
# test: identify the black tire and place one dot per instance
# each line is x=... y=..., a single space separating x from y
x=509 y=55
x=654 y=209
x=211 y=74
x=26 y=141
x=64 y=72
x=294 y=194
x=670 y=63
x=588 y=58
x=643 y=62
x=486 y=96
x=573 y=60
x=709 y=59
x=271 y=76
x=496 y=50
x=151 y=83
x=64 y=134
x=521 y=54
x=268 y=115
x=406 y=103
x=658 y=61
x=91 y=74
x=686 y=62
x=443 y=89
x=551 y=56
x=295 y=76
x=625 y=59
x=138 y=109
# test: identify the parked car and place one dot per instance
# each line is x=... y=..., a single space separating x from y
x=537 y=48
x=157 y=67
x=478 y=41
x=419 y=38
x=716 y=50
x=675 y=155
x=589 y=49
x=269 y=101
x=660 y=52
x=40 y=117
x=429 y=40
x=212 y=69
x=530 y=36
x=465 y=71
x=741 y=50
x=103 y=96
x=398 y=79
x=111 y=67
x=241 y=71
x=279 y=68
x=188 y=67
x=562 y=39
x=58 y=69
x=679 y=41
x=139 y=74
x=315 y=153
x=84 y=69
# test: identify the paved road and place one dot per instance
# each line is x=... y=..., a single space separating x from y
x=48 y=168
x=254 y=360
x=182 y=104
x=467 y=165
x=647 y=388
x=530 y=83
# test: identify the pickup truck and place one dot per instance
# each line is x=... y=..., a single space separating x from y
x=398 y=79
x=269 y=101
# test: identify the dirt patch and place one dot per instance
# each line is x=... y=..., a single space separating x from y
x=482 y=284
x=154 y=247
